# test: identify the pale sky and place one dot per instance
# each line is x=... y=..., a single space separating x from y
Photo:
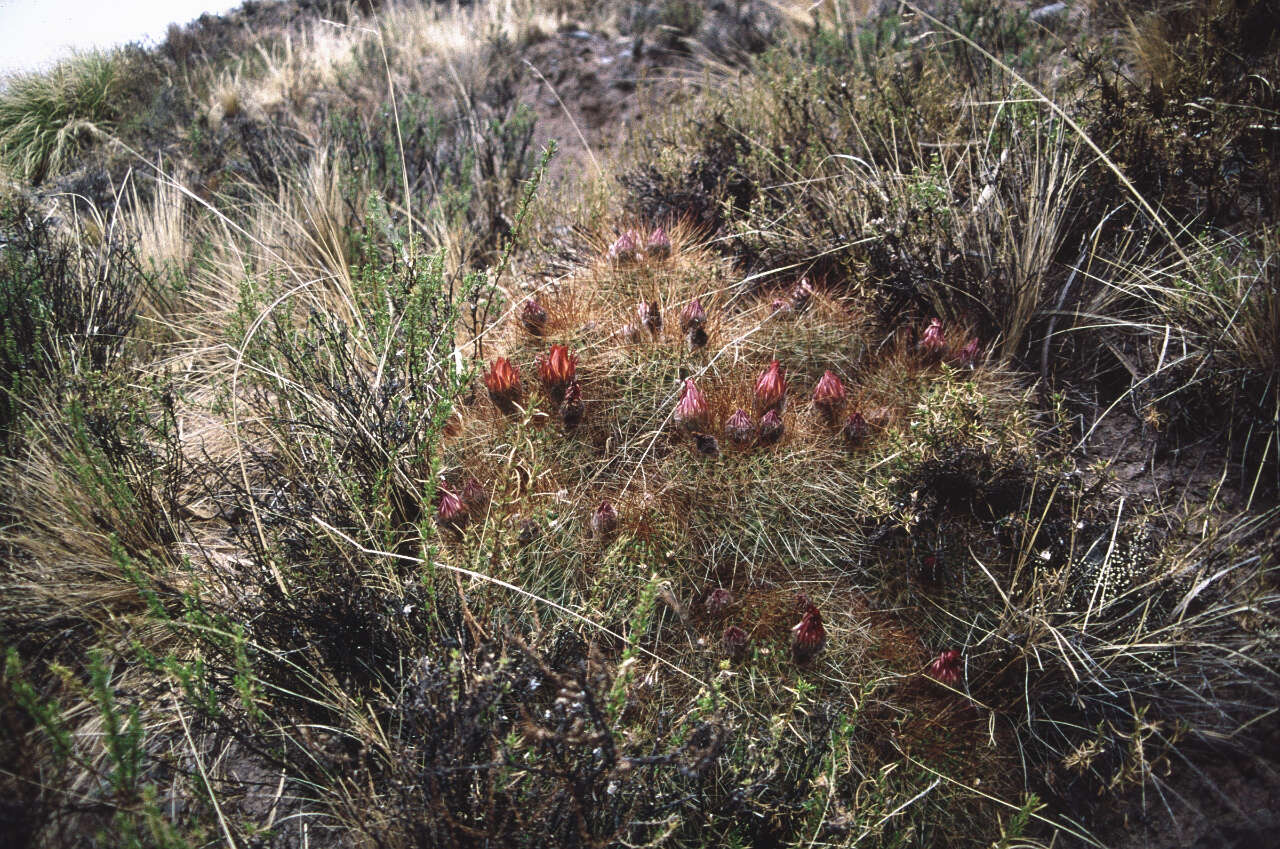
x=34 y=33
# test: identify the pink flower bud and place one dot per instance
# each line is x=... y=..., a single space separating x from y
x=968 y=355
x=659 y=244
x=450 y=512
x=808 y=635
x=534 y=317
x=604 y=521
x=625 y=249
x=474 y=497
x=770 y=389
x=503 y=381
x=650 y=316
x=829 y=395
x=740 y=429
x=770 y=428
x=947 y=668
x=693 y=316
x=932 y=342
x=692 y=412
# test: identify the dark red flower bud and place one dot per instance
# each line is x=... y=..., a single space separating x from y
x=947 y=668
x=659 y=244
x=692 y=412
x=770 y=427
x=808 y=636
x=706 y=444
x=968 y=355
x=801 y=294
x=625 y=249
x=770 y=389
x=718 y=601
x=529 y=531
x=855 y=430
x=740 y=429
x=572 y=409
x=557 y=370
x=604 y=521
x=693 y=315
x=450 y=512
x=736 y=642
x=829 y=395
x=503 y=382
x=534 y=317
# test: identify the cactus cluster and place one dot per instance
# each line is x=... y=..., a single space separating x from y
x=933 y=347
x=631 y=247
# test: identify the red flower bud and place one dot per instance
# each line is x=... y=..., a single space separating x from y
x=740 y=429
x=503 y=382
x=947 y=668
x=855 y=429
x=771 y=388
x=808 y=635
x=692 y=412
x=659 y=244
x=693 y=316
x=604 y=521
x=736 y=642
x=626 y=249
x=534 y=317
x=557 y=370
x=572 y=410
x=770 y=427
x=718 y=601
x=450 y=512
x=829 y=395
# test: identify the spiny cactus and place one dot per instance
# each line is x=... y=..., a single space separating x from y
x=557 y=370
x=503 y=381
x=740 y=429
x=770 y=391
x=692 y=412
x=828 y=396
x=534 y=317
x=808 y=636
